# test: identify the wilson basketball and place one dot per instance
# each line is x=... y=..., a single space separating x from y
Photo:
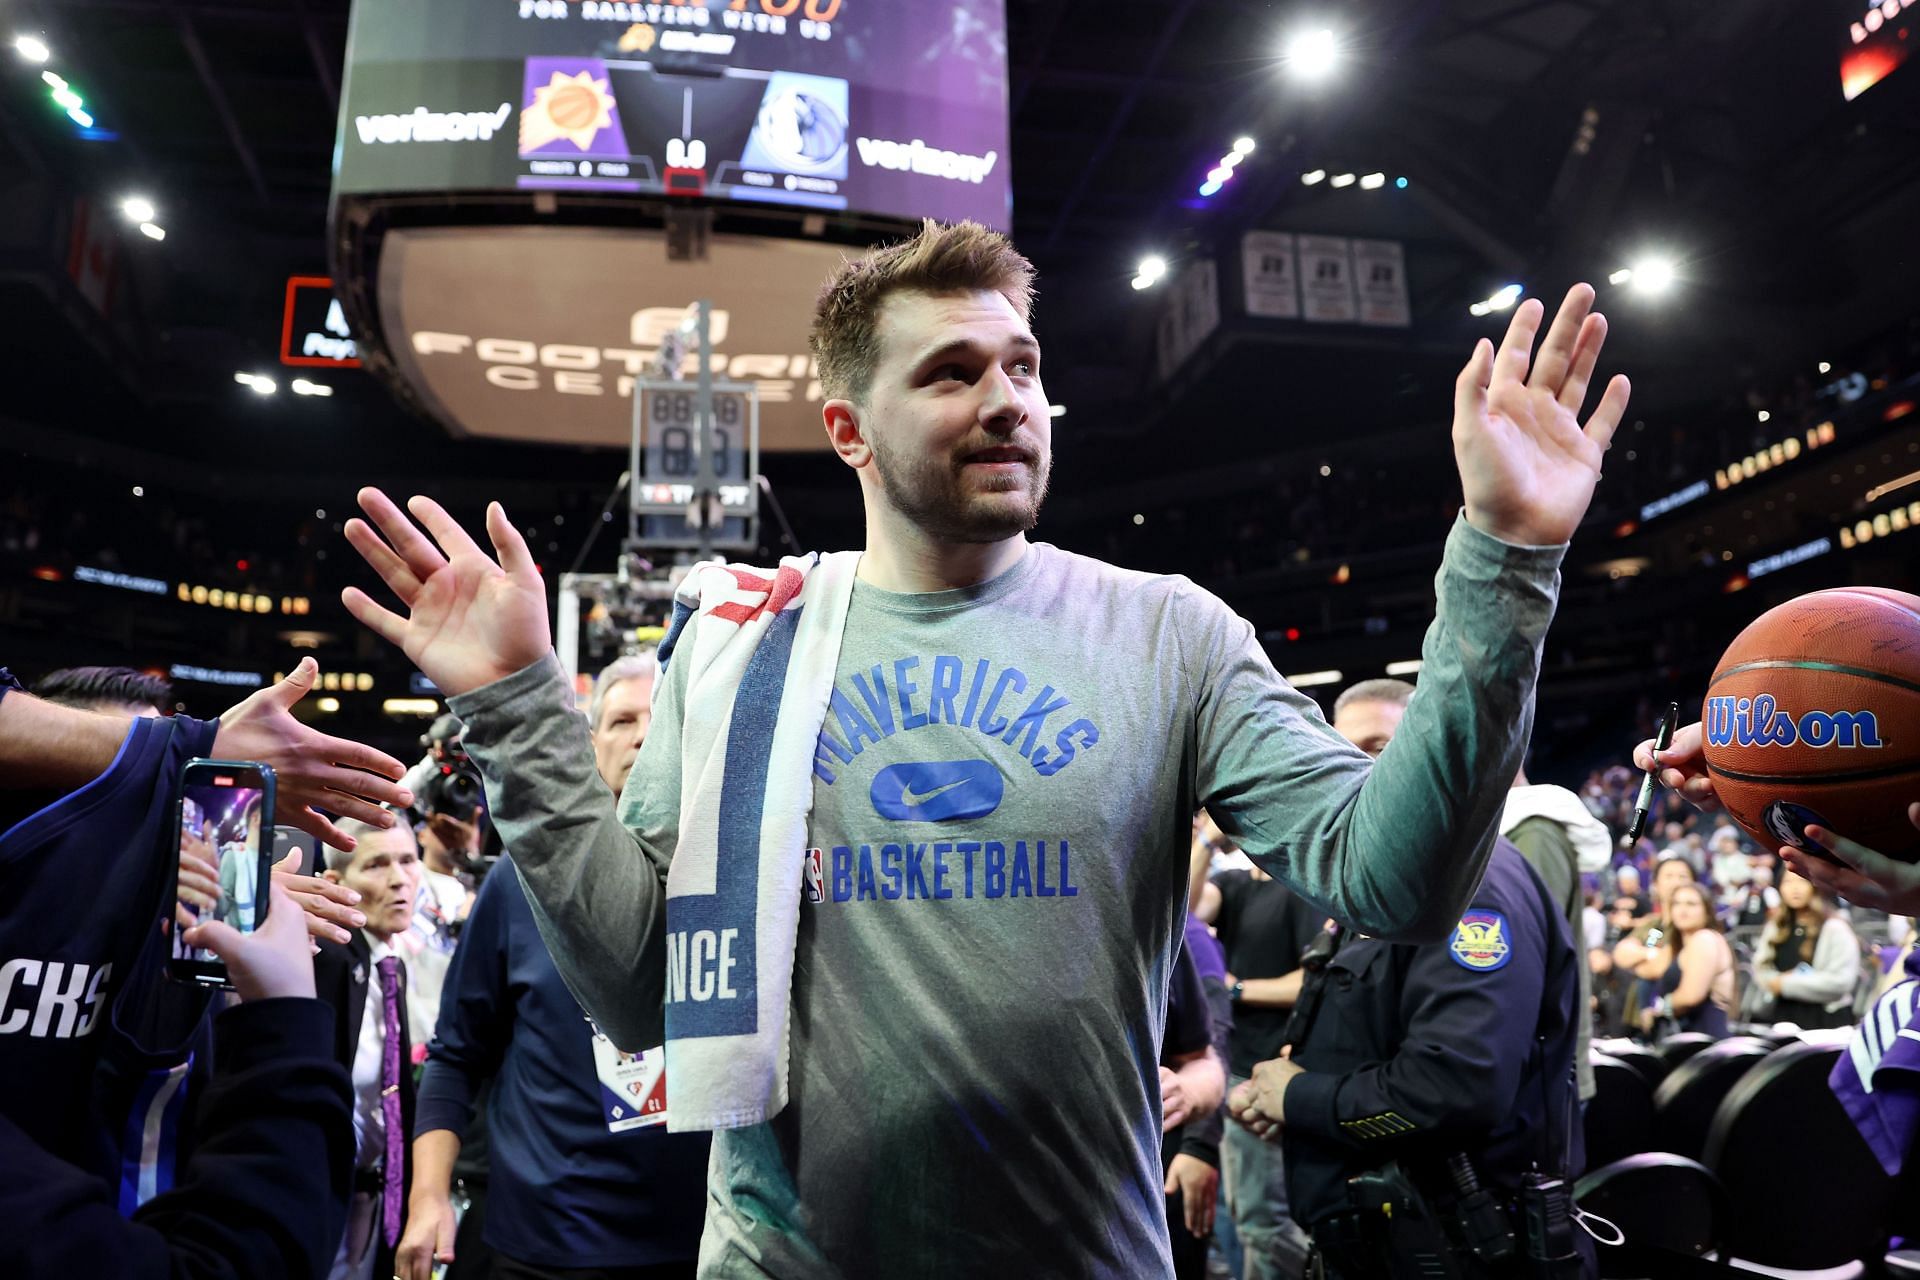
x=1813 y=716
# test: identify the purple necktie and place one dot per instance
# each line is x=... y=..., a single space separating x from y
x=390 y=1099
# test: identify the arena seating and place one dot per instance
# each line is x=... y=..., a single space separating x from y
x=1685 y=1103
x=1619 y=1118
x=1747 y=1157
x=1676 y=1049
x=1650 y=1065
x=1662 y=1204
x=1781 y=1139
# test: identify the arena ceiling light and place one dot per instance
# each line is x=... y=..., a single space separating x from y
x=1650 y=276
x=258 y=383
x=153 y=232
x=1222 y=172
x=31 y=48
x=1500 y=300
x=302 y=387
x=1312 y=55
x=1308 y=679
x=1153 y=268
x=68 y=99
x=1408 y=667
x=139 y=209
x=1053 y=410
x=1367 y=182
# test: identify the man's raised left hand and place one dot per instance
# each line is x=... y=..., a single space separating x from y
x=1527 y=466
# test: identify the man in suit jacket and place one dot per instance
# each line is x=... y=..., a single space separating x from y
x=365 y=981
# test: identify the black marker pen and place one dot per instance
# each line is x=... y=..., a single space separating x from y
x=1662 y=739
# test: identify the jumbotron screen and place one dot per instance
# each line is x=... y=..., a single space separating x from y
x=892 y=107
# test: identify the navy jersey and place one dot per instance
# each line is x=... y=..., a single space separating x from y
x=156 y=1063
x=82 y=880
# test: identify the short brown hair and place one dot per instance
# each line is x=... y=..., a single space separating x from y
x=955 y=259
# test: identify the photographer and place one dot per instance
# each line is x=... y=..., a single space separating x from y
x=449 y=815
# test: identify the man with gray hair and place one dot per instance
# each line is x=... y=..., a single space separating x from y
x=619 y=713
x=583 y=1180
x=1367 y=713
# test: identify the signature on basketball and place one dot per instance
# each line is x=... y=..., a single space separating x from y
x=1759 y=722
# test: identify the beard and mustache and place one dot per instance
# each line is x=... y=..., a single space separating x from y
x=935 y=494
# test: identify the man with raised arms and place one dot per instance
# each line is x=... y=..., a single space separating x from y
x=1015 y=739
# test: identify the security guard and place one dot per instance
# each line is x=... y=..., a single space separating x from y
x=1426 y=1098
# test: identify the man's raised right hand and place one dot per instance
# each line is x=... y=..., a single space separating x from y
x=470 y=619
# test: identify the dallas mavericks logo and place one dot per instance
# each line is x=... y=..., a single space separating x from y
x=1759 y=722
x=1788 y=823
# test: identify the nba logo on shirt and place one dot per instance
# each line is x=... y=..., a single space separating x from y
x=815 y=887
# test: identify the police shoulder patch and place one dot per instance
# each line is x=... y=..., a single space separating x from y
x=1479 y=942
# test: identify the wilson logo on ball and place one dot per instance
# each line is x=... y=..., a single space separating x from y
x=1759 y=722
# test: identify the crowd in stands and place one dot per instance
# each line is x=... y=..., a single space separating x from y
x=1789 y=954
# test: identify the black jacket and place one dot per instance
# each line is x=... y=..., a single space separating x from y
x=344 y=977
x=260 y=1197
x=1417 y=1052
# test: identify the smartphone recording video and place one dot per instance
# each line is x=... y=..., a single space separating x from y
x=224 y=851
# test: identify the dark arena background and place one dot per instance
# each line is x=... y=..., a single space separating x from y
x=257 y=254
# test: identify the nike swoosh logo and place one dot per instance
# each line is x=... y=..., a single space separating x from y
x=913 y=799
x=937 y=790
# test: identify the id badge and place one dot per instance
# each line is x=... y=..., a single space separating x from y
x=633 y=1086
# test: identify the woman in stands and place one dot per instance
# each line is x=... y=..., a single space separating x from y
x=1696 y=981
x=1639 y=956
x=1808 y=959
x=1639 y=949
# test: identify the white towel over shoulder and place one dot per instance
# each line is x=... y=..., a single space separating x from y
x=761 y=668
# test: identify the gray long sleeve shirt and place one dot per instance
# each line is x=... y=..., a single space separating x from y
x=1000 y=829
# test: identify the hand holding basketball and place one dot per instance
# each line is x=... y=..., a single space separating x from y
x=1527 y=466
x=1868 y=879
